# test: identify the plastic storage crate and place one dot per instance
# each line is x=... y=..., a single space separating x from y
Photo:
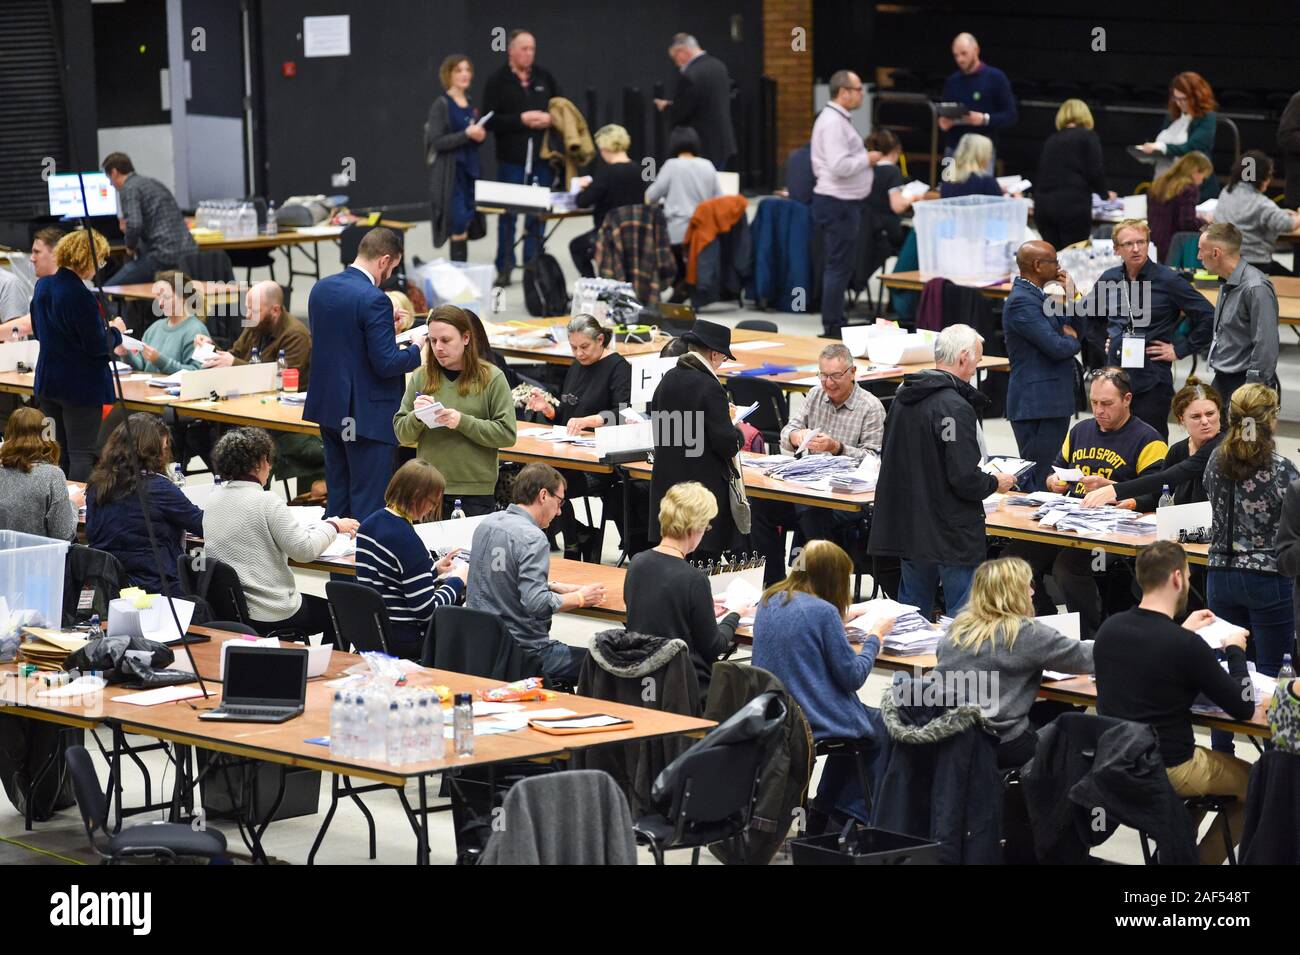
x=970 y=239
x=861 y=845
x=31 y=586
x=455 y=283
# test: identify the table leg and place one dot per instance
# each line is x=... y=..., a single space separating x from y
x=325 y=824
x=422 y=837
x=255 y=829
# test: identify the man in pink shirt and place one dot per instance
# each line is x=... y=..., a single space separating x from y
x=843 y=172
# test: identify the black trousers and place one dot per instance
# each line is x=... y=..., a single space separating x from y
x=1039 y=440
x=769 y=522
x=1063 y=224
x=76 y=427
x=312 y=617
x=583 y=251
x=1072 y=568
x=1153 y=407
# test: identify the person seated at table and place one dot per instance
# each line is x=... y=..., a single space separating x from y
x=1151 y=670
x=509 y=573
x=597 y=387
x=257 y=534
x=393 y=560
x=169 y=344
x=139 y=450
x=1114 y=445
x=996 y=633
x=967 y=174
x=34 y=493
x=887 y=201
x=799 y=637
x=485 y=350
x=836 y=417
x=1246 y=205
x=403 y=311
x=270 y=329
x=616 y=182
x=477 y=417
x=1172 y=199
x=668 y=597
x=683 y=182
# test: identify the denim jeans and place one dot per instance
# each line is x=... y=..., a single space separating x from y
x=533 y=226
x=134 y=271
x=921 y=580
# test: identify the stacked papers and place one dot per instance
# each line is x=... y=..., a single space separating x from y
x=859 y=480
x=341 y=546
x=49 y=649
x=204 y=352
x=1036 y=499
x=1069 y=514
x=169 y=382
x=293 y=398
x=991 y=502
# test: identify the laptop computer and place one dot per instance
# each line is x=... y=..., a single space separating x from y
x=262 y=685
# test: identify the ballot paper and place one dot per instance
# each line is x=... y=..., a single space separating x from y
x=1069 y=475
x=427 y=413
x=166 y=629
x=740 y=593
x=163 y=694
x=1010 y=184
x=914 y=189
x=756 y=345
x=167 y=382
x=204 y=352
x=632 y=416
x=341 y=546
x=873 y=611
x=131 y=343
x=1214 y=633
x=1066 y=624
x=745 y=412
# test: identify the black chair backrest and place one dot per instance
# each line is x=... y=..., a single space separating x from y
x=758 y=325
x=718 y=784
x=360 y=617
x=206 y=265
x=773 y=409
x=231 y=626
x=219 y=585
x=90 y=797
x=474 y=642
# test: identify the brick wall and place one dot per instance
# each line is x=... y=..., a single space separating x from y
x=792 y=69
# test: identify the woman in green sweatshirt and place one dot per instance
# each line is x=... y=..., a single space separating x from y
x=168 y=345
x=477 y=417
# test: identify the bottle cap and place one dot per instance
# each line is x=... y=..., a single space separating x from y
x=464 y=699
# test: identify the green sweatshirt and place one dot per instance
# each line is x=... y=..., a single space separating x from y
x=175 y=344
x=467 y=456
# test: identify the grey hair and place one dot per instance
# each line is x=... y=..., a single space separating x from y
x=839 y=81
x=587 y=325
x=683 y=39
x=838 y=350
x=241 y=452
x=953 y=341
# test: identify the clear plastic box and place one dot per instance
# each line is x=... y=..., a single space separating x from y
x=456 y=283
x=31 y=584
x=970 y=239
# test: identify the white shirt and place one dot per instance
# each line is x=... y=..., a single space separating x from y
x=839 y=157
x=364 y=272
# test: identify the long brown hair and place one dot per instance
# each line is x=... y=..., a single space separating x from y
x=475 y=373
x=416 y=484
x=115 y=474
x=25 y=443
x=1248 y=444
x=822 y=569
x=1179 y=176
x=1200 y=97
x=1194 y=390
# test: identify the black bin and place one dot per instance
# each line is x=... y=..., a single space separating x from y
x=864 y=845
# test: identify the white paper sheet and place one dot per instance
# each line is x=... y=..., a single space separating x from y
x=203 y=352
x=756 y=346
x=428 y=413
x=164 y=694
x=1068 y=474
x=341 y=546
x=1213 y=633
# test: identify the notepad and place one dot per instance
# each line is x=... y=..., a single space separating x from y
x=428 y=413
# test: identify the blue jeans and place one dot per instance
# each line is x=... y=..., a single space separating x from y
x=920 y=580
x=1039 y=440
x=133 y=271
x=533 y=226
x=839 y=221
x=1261 y=602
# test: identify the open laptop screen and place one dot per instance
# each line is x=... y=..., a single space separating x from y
x=265 y=676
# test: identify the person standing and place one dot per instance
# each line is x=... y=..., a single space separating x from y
x=1069 y=172
x=1041 y=344
x=983 y=89
x=43 y=264
x=353 y=348
x=518 y=95
x=929 y=509
x=1190 y=125
x=154 y=228
x=702 y=99
x=843 y=171
x=73 y=376
x=1245 y=340
x=452 y=135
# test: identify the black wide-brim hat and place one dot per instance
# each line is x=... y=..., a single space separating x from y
x=711 y=335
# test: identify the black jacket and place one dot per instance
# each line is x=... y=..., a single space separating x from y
x=929 y=497
x=1076 y=800
x=1288 y=141
x=506 y=98
x=703 y=102
x=694 y=441
x=941 y=781
x=1288 y=540
x=1070 y=170
x=1271 y=833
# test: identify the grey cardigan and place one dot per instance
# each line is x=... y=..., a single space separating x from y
x=37 y=502
x=1018 y=670
x=439 y=141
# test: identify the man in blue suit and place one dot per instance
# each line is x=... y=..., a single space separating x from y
x=1041 y=345
x=358 y=375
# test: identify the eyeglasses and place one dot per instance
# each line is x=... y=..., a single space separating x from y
x=1114 y=376
x=835 y=375
x=1132 y=244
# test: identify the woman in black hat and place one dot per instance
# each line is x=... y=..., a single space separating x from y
x=695 y=439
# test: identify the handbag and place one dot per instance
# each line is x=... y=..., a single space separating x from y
x=739 y=501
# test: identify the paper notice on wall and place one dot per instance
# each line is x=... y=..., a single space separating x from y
x=326 y=36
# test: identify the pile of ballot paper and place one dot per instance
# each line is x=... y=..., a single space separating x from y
x=1069 y=514
x=811 y=470
x=49 y=649
x=912 y=634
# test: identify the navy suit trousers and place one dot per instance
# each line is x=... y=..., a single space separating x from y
x=1039 y=440
x=357 y=473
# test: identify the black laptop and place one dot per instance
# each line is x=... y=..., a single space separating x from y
x=262 y=685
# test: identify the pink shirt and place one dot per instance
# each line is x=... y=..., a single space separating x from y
x=839 y=157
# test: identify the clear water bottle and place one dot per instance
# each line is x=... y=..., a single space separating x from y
x=411 y=742
x=436 y=734
x=457 y=512
x=272 y=227
x=1166 y=499
x=377 y=721
x=96 y=631
x=14 y=336
x=358 y=738
x=247 y=220
x=338 y=719
x=1287 y=673
x=178 y=474
x=255 y=356
x=393 y=735
x=281 y=364
x=463 y=721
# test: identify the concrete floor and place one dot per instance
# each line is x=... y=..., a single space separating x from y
x=290 y=840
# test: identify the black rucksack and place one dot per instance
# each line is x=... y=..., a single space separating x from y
x=544 y=288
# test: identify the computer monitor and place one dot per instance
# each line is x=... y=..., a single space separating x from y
x=65 y=194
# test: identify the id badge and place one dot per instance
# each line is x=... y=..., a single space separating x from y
x=1133 y=352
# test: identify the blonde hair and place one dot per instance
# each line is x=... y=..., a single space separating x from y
x=400 y=300
x=999 y=603
x=973 y=155
x=822 y=569
x=1248 y=443
x=1139 y=224
x=1074 y=111
x=1179 y=176
x=73 y=252
x=613 y=137
x=688 y=506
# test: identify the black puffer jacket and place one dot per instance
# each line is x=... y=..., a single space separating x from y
x=929 y=498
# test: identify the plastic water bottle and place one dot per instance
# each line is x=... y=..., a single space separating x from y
x=281 y=364
x=1287 y=673
x=358 y=742
x=377 y=722
x=411 y=742
x=14 y=336
x=393 y=735
x=338 y=717
x=1166 y=499
x=178 y=474
x=435 y=735
x=255 y=356
x=247 y=220
x=457 y=512
x=272 y=227
x=463 y=721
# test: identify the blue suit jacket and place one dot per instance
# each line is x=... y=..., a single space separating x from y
x=1041 y=354
x=357 y=369
x=76 y=344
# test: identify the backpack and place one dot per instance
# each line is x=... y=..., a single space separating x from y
x=544 y=289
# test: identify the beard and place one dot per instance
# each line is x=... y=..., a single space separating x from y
x=1183 y=594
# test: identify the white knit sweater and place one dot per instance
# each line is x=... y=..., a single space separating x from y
x=254 y=531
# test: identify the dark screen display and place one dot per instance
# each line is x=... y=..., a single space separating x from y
x=276 y=676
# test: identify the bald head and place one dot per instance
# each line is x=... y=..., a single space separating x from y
x=264 y=302
x=966 y=52
x=1037 y=262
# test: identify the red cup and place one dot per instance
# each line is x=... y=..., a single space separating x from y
x=290 y=378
